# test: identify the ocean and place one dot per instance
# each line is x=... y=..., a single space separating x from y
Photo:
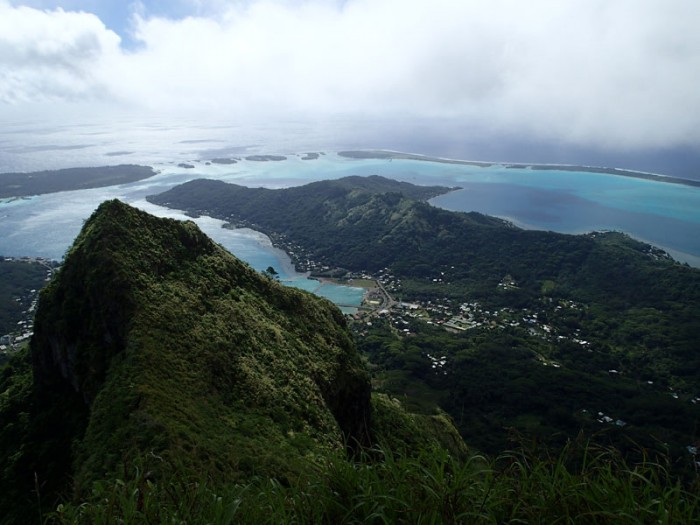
x=663 y=214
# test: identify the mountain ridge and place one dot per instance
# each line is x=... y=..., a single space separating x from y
x=609 y=320
x=125 y=294
x=165 y=371
x=156 y=350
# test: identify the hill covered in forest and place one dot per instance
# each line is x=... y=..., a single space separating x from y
x=550 y=333
x=156 y=349
x=167 y=382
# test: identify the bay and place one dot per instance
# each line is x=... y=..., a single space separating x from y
x=46 y=225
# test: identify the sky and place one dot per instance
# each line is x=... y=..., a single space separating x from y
x=587 y=75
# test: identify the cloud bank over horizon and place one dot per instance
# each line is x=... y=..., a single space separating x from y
x=617 y=75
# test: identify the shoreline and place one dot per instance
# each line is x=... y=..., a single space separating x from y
x=325 y=281
x=397 y=155
x=677 y=255
x=17 y=185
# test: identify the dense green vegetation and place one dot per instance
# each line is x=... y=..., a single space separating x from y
x=51 y=181
x=584 y=484
x=499 y=392
x=320 y=203
x=156 y=349
x=598 y=323
x=17 y=280
x=168 y=382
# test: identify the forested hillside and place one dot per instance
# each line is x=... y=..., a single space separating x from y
x=156 y=349
x=554 y=333
x=17 y=281
x=167 y=382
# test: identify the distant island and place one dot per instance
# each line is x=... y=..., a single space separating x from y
x=391 y=155
x=310 y=156
x=266 y=158
x=52 y=181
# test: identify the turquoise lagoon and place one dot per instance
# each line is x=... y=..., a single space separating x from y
x=661 y=213
x=46 y=225
x=664 y=214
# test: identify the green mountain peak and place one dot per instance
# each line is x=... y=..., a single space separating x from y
x=178 y=348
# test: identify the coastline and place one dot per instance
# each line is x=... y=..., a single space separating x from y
x=391 y=155
x=326 y=281
x=22 y=185
x=290 y=276
x=677 y=255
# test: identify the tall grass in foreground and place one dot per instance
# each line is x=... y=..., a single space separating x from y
x=431 y=488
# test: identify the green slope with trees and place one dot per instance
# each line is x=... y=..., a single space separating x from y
x=580 y=328
x=17 y=280
x=168 y=382
x=156 y=349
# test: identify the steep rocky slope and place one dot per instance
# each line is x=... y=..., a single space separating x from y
x=154 y=346
x=157 y=351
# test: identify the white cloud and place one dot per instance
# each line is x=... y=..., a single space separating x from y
x=52 y=55
x=590 y=72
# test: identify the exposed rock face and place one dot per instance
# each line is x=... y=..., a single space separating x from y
x=175 y=345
